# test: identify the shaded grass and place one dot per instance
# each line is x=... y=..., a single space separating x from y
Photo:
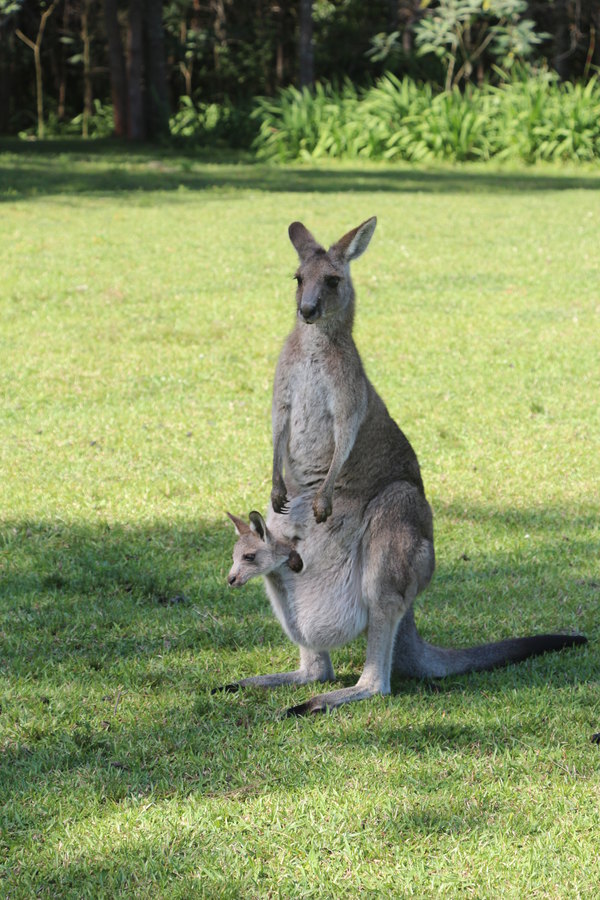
x=108 y=167
x=140 y=329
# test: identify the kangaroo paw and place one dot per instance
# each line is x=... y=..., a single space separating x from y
x=279 y=501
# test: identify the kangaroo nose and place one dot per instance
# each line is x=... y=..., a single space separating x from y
x=231 y=579
x=310 y=312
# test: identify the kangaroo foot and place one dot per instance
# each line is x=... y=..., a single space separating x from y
x=323 y=702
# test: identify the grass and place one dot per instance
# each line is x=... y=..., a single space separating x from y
x=144 y=300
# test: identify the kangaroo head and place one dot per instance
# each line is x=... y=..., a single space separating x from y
x=257 y=552
x=325 y=290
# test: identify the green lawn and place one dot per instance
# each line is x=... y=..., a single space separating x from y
x=143 y=302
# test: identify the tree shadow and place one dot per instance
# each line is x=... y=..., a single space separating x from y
x=104 y=168
x=89 y=613
x=129 y=580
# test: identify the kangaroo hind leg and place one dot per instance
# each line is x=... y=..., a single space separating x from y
x=314 y=666
x=375 y=678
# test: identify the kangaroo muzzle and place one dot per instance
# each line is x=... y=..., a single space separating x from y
x=234 y=579
x=310 y=310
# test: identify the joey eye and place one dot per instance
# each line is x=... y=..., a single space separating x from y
x=249 y=557
x=332 y=281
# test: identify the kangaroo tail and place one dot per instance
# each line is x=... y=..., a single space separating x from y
x=415 y=658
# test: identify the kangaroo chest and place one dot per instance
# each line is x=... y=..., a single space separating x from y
x=311 y=436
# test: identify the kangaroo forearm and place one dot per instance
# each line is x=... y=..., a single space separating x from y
x=345 y=439
x=281 y=430
x=280 y=438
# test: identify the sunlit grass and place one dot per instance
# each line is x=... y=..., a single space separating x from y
x=143 y=304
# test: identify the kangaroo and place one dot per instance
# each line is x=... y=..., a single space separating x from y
x=347 y=492
x=258 y=552
x=321 y=608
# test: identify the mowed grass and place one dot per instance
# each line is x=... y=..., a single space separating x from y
x=143 y=302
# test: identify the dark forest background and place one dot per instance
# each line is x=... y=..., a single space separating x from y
x=70 y=60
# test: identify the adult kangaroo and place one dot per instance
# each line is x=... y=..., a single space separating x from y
x=348 y=496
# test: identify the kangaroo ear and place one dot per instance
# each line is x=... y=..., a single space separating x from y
x=302 y=240
x=240 y=526
x=354 y=244
x=295 y=562
x=257 y=525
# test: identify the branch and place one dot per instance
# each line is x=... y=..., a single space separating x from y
x=45 y=16
x=25 y=39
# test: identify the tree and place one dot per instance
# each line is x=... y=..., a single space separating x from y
x=306 y=56
x=138 y=77
x=117 y=69
x=157 y=98
x=36 y=46
x=135 y=71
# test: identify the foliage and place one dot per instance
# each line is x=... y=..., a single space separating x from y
x=100 y=124
x=213 y=124
x=459 y=32
x=225 y=52
x=304 y=124
x=144 y=299
x=531 y=117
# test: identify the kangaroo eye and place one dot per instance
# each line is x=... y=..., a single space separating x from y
x=249 y=557
x=332 y=281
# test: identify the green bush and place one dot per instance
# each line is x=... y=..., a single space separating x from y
x=100 y=124
x=532 y=117
x=213 y=124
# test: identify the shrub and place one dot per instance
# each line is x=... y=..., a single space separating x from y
x=531 y=117
x=213 y=124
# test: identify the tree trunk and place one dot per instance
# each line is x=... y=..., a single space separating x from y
x=595 y=37
x=278 y=10
x=220 y=31
x=87 y=69
x=62 y=66
x=562 y=41
x=135 y=71
x=5 y=79
x=306 y=57
x=117 y=70
x=157 y=95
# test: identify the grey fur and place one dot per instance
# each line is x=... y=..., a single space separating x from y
x=348 y=496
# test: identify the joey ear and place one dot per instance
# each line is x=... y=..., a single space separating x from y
x=295 y=562
x=354 y=244
x=257 y=525
x=240 y=526
x=303 y=241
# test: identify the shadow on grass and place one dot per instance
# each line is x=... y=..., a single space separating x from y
x=128 y=582
x=91 y=613
x=33 y=169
